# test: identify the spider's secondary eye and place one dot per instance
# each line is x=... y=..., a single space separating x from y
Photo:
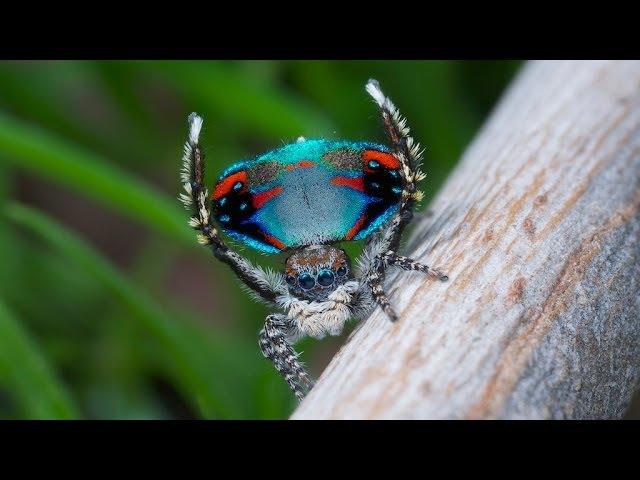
x=306 y=281
x=342 y=271
x=325 y=278
x=290 y=279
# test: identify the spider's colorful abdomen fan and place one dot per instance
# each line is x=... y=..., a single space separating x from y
x=310 y=192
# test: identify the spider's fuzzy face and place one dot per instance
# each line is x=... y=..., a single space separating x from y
x=313 y=272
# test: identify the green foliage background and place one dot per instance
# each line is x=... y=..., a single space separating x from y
x=108 y=307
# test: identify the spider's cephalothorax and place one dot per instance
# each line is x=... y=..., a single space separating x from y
x=302 y=198
x=313 y=272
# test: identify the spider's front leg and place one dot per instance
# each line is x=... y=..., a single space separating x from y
x=390 y=258
x=381 y=250
x=276 y=347
x=406 y=263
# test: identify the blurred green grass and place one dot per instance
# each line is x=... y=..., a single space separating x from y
x=108 y=308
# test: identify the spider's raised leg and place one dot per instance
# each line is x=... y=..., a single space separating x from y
x=408 y=153
x=267 y=285
x=275 y=346
x=380 y=250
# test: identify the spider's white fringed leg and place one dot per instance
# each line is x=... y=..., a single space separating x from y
x=266 y=284
x=408 y=153
x=275 y=346
x=380 y=250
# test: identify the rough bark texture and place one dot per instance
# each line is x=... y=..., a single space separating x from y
x=539 y=230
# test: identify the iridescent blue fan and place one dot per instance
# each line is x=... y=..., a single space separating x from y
x=308 y=193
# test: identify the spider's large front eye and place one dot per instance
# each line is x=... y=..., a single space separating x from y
x=325 y=278
x=306 y=281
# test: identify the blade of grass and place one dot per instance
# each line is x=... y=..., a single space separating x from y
x=341 y=95
x=32 y=94
x=198 y=363
x=218 y=86
x=44 y=154
x=145 y=139
x=26 y=374
x=42 y=92
x=118 y=78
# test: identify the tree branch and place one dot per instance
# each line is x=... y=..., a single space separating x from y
x=538 y=228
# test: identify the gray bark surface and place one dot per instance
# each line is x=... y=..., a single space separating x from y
x=538 y=228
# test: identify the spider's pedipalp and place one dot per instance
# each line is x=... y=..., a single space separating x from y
x=319 y=318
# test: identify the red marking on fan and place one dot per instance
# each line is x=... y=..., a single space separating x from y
x=259 y=199
x=225 y=185
x=355 y=183
x=301 y=164
x=385 y=159
x=356 y=228
x=274 y=241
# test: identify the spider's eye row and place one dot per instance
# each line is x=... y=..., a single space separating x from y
x=306 y=281
x=325 y=278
